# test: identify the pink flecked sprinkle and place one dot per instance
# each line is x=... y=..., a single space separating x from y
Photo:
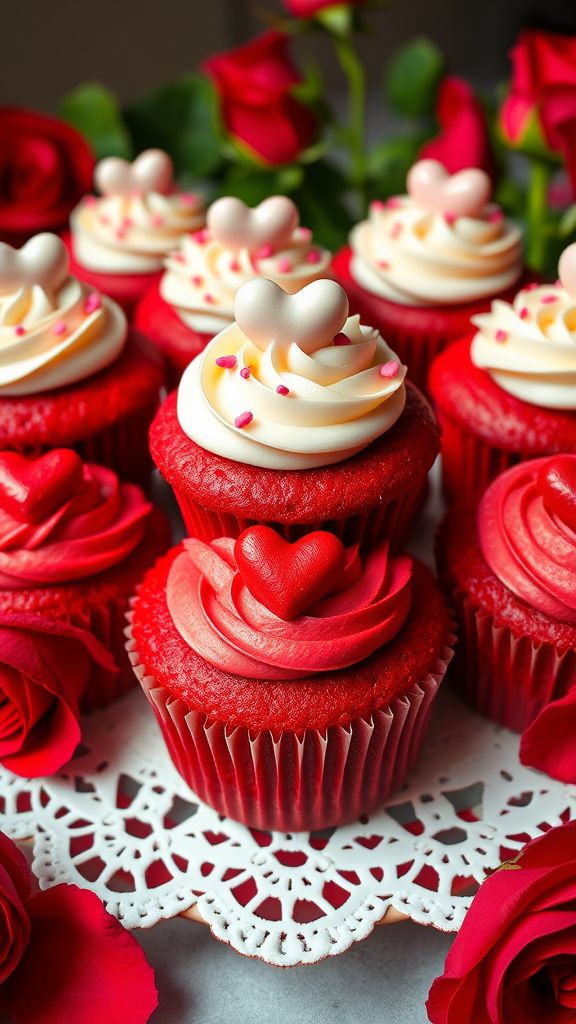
x=197 y=280
x=530 y=287
x=390 y=369
x=501 y=335
x=524 y=313
x=120 y=234
x=341 y=339
x=235 y=266
x=305 y=234
x=92 y=302
x=59 y=328
x=284 y=266
x=396 y=229
x=547 y=299
x=384 y=264
x=313 y=256
x=158 y=220
x=201 y=236
x=450 y=218
x=243 y=419
x=393 y=203
x=377 y=204
x=209 y=299
x=189 y=198
x=226 y=362
x=282 y=390
x=19 y=330
x=265 y=252
x=245 y=372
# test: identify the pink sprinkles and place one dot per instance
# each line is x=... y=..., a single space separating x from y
x=282 y=390
x=60 y=328
x=235 y=266
x=547 y=299
x=284 y=266
x=201 y=236
x=390 y=369
x=92 y=302
x=524 y=314
x=19 y=331
x=197 y=280
x=265 y=252
x=313 y=256
x=245 y=372
x=226 y=362
x=501 y=335
x=243 y=419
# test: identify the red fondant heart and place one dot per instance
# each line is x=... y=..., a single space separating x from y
x=557 y=485
x=288 y=578
x=30 y=489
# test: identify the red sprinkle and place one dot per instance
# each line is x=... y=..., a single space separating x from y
x=19 y=330
x=197 y=280
x=530 y=287
x=390 y=369
x=501 y=335
x=235 y=266
x=227 y=362
x=393 y=203
x=549 y=298
x=59 y=328
x=92 y=302
x=201 y=236
x=245 y=372
x=265 y=252
x=449 y=218
x=243 y=419
x=524 y=313
x=377 y=204
x=282 y=390
x=305 y=234
x=284 y=266
x=313 y=256
x=341 y=339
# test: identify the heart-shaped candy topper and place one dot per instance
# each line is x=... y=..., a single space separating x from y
x=152 y=171
x=289 y=578
x=557 y=485
x=310 y=317
x=567 y=269
x=31 y=489
x=42 y=261
x=464 y=194
x=237 y=227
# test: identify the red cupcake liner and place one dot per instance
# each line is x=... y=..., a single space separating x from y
x=468 y=463
x=391 y=520
x=508 y=677
x=288 y=781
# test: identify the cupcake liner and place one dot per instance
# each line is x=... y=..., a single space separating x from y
x=288 y=781
x=391 y=520
x=468 y=463
x=508 y=678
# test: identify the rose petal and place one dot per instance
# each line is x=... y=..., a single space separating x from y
x=548 y=743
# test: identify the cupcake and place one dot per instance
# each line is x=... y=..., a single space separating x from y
x=195 y=298
x=74 y=543
x=118 y=240
x=510 y=568
x=423 y=264
x=292 y=682
x=297 y=416
x=71 y=372
x=508 y=392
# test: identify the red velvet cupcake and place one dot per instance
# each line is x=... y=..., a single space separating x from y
x=423 y=264
x=118 y=241
x=195 y=298
x=71 y=372
x=510 y=568
x=74 y=543
x=508 y=393
x=292 y=683
x=299 y=417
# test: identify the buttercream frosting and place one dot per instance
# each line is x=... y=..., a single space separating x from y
x=204 y=274
x=526 y=524
x=54 y=330
x=219 y=618
x=294 y=383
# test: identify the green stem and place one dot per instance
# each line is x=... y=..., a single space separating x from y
x=537 y=213
x=354 y=71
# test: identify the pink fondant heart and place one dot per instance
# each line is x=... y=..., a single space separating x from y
x=31 y=489
x=237 y=227
x=310 y=317
x=557 y=485
x=288 y=578
x=464 y=194
x=567 y=269
x=152 y=171
x=42 y=261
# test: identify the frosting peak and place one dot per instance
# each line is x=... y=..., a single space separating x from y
x=527 y=529
x=293 y=384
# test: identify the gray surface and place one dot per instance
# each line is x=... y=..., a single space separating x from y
x=383 y=980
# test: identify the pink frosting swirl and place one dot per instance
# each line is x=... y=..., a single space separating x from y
x=527 y=530
x=221 y=620
x=95 y=528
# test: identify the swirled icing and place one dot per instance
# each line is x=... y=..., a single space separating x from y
x=218 y=617
x=526 y=543
x=529 y=346
x=97 y=527
x=420 y=257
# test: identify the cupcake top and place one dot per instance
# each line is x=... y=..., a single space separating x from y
x=529 y=346
x=294 y=383
x=443 y=244
x=62 y=520
x=238 y=244
x=262 y=608
x=527 y=529
x=137 y=219
x=54 y=330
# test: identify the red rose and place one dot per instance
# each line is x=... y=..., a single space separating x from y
x=548 y=743
x=463 y=141
x=539 y=113
x=45 y=168
x=514 y=959
x=308 y=8
x=45 y=667
x=63 y=957
x=254 y=83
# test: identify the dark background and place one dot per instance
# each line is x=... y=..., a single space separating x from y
x=132 y=46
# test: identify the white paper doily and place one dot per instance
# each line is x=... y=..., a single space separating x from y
x=121 y=821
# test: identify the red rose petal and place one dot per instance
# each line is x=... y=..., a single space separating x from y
x=548 y=743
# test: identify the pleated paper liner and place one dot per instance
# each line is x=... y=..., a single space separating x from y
x=468 y=463
x=294 y=782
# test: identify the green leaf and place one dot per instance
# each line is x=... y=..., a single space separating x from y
x=323 y=203
x=183 y=119
x=94 y=111
x=567 y=225
x=249 y=184
x=413 y=77
x=389 y=163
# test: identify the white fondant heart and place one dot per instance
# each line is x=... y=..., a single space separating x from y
x=152 y=171
x=310 y=317
x=237 y=226
x=42 y=261
x=567 y=269
x=464 y=194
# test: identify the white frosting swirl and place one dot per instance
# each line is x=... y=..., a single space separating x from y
x=203 y=276
x=48 y=340
x=418 y=257
x=132 y=234
x=337 y=400
x=529 y=346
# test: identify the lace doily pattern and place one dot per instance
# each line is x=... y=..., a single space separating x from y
x=121 y=822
